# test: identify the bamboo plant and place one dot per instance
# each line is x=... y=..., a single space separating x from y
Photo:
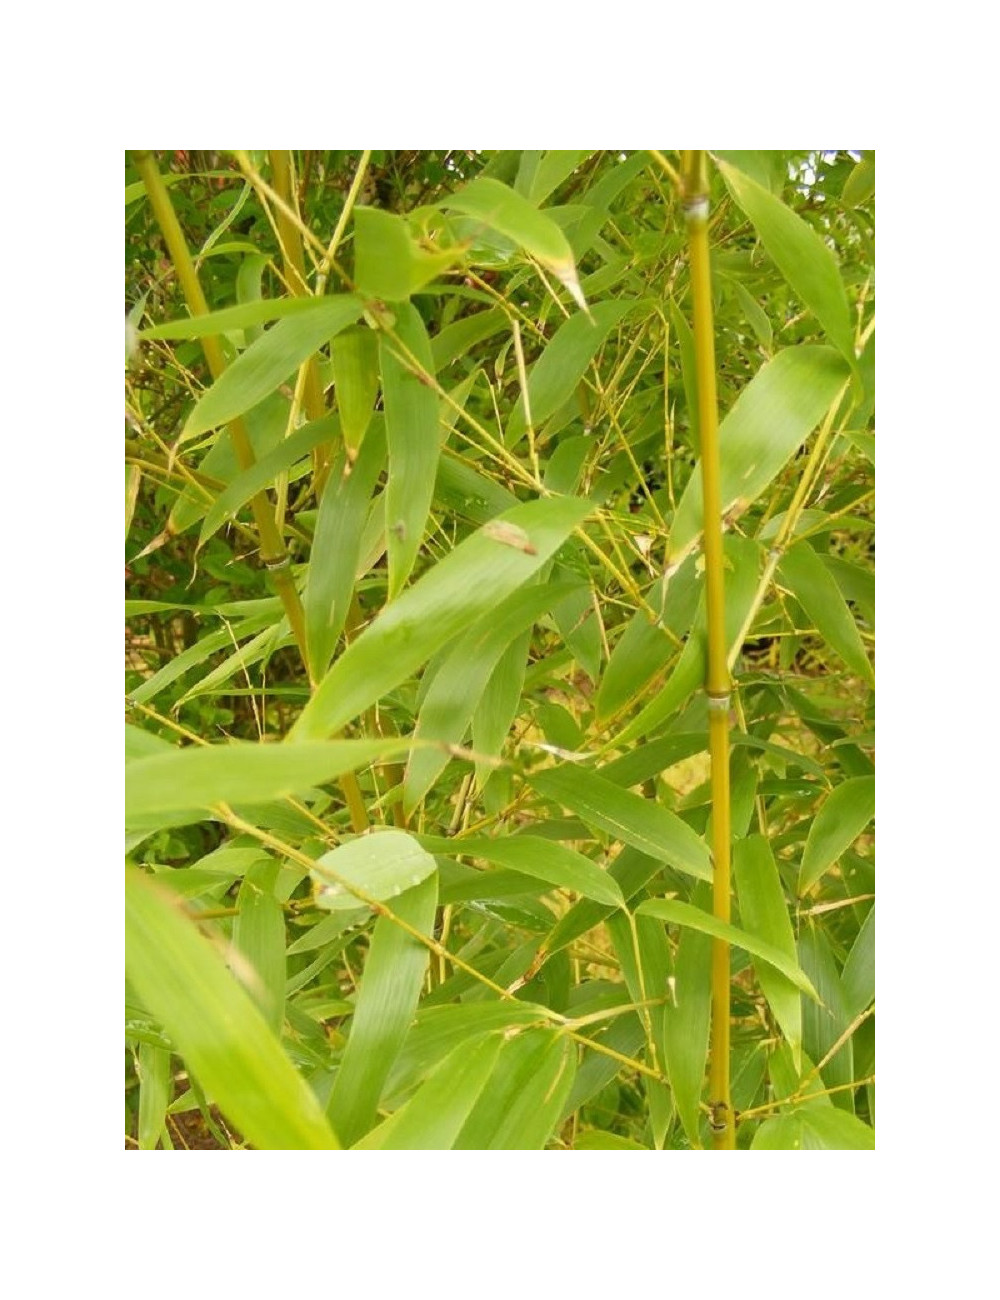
x=446 y=827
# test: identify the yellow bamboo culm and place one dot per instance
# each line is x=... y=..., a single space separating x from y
x=694 y=169
x=293 y=258
x=272 y=546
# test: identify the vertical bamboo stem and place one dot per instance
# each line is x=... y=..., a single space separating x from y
x=717 y=682
x=272 y=547
x=293 y=258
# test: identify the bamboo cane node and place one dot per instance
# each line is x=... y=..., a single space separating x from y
x=718 y=1121
x=696 y=208
x=719 y=703
x=275 y=566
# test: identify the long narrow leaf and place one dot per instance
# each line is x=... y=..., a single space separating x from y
x=218 y=1031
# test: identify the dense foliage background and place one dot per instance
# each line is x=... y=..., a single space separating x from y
x=417 y=777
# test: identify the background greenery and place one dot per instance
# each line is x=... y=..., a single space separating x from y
x=417 y=825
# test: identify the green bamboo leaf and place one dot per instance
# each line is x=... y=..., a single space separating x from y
x=513 y=215
x=554 y=166
x=459 y=683
x=770 y=419
x=823 y=1025
x=478 y=574
x=627 y=817
x=813 y=586
x=743 y=557
x=522 y=1101
x=687 y=1021
x=644 y=955
x=813 y=1127
x=263 y=472
x=858 y=978
x=153 y=1069
x=754 y=313
x=243 y=316
x=223 y=1038
x=645 y=647
x=499 y=705
x=259 y=934
x=764 y=913
x=438 y=1031
x=388 y=262
x=557 y=372
x=414 y=441
x=433 y=1118
x=202 y=650
x=382 y=865
x=458 y=339
x=262 y=646
x=265 y=426
x=845 y=813
x=678 y=913
x=336 y=549
x=860 y=185
x=354 y=355
x=653 y=757
x=267 y=363
x=540 y=858
x=625 y=1036
x=597 y=1139
x=202 y=776
x=801 y=256
x=387 y=998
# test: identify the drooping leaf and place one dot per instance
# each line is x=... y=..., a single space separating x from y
x=336 y=550
x=801 y=255
x=414 y=441
x=679 y=913
x=433 y=1118
x=387 y=998
x=812 y=585
x=770 y=419
x=687 y=1020
x=627 y=817
x=825 y=1023
x=764 y=913
x=860 y=185
x=521 y=1103
x=468 y=582
x=554 y=376
x=845 y=813
x=859 y=970
x=259 y=934
x=354 y=356
x=743 y=558
x=153 y=1069
x=458 y=686
x=221 y=1035
x=512 y=215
